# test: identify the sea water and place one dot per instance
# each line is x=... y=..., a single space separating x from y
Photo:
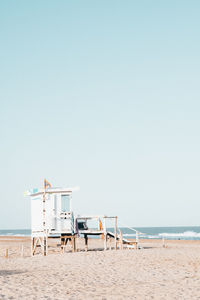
x=173 y=233
x=15 y=232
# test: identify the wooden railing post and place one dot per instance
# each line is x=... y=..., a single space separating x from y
x=105 y=234
x=137 y=240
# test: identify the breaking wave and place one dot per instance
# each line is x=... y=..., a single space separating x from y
x=186 y=234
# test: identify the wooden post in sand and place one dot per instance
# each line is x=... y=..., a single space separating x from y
x=6 y=253
x=22 y=250
x=115 y=233
x=163 y=242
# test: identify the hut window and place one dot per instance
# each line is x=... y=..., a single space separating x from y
x=55 y=202
x=65 y=203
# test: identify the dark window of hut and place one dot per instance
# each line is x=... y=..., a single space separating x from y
x=82 y=225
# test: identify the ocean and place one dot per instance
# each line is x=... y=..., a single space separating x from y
x=15 y=232
x=170 y=233
x=173 y=233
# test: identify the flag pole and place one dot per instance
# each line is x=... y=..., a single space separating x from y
x=44 y=221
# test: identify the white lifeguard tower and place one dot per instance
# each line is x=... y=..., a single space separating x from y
x=51 y=215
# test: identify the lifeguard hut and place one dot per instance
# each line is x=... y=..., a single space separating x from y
x=51 y=215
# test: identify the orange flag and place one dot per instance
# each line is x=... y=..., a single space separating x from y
x=46 y=184
x=101 y=228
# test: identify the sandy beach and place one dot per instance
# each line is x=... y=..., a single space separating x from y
x=153 y=272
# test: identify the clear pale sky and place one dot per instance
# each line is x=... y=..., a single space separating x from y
x=104 y=95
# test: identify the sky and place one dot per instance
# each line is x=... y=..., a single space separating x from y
x=103 y=95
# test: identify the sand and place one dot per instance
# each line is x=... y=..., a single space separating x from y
x=153 y=272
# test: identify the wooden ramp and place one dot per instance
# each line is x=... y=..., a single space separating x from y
x=122 y=240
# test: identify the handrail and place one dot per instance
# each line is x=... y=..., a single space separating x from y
x=135 y=230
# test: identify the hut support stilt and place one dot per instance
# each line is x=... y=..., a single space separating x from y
x=71 y=239
x=37 y=241
x=86 y=242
